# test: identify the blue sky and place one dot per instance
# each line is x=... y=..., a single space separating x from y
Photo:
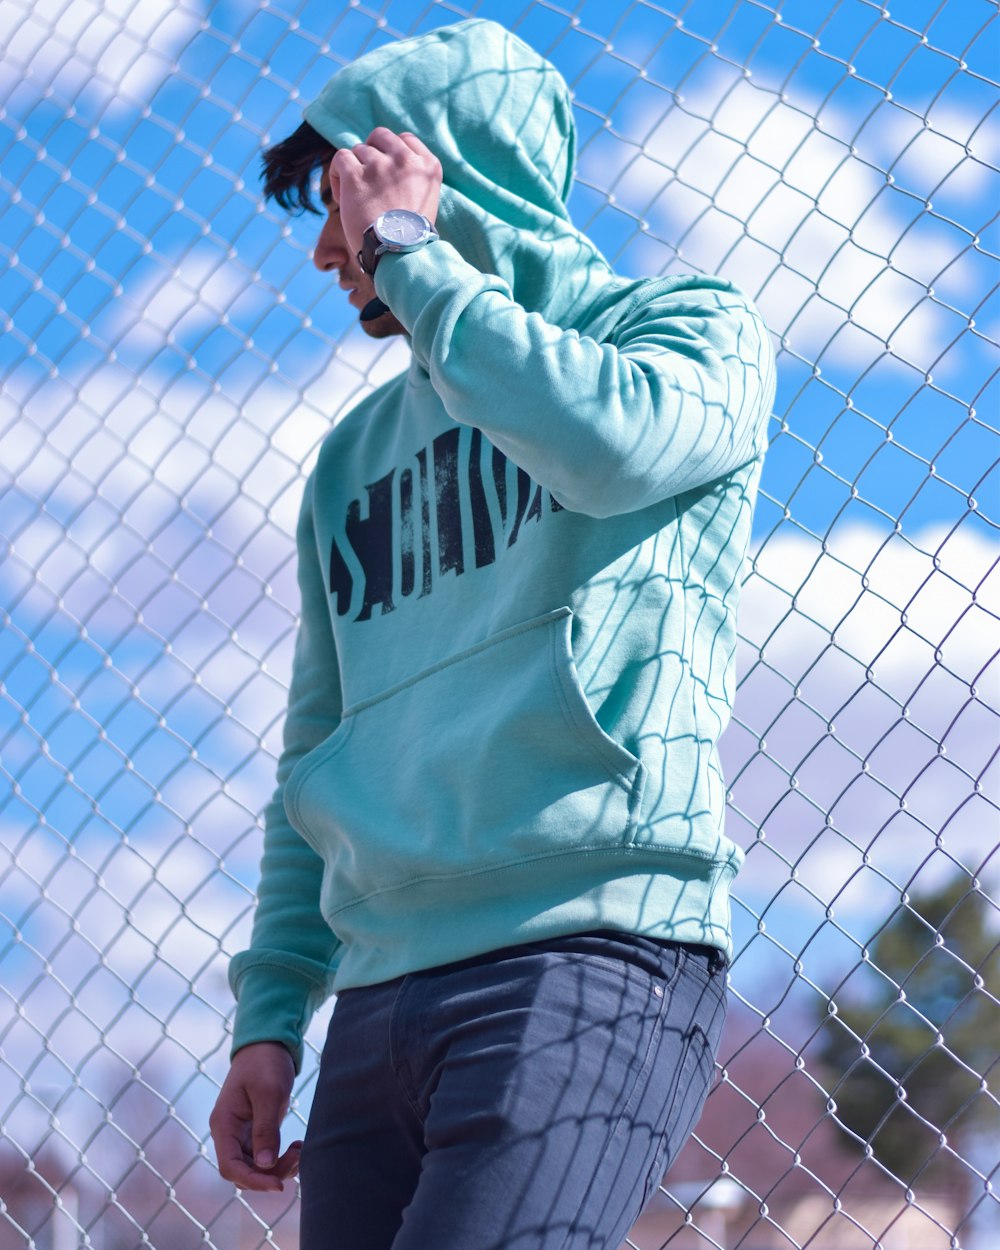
x=172 y=360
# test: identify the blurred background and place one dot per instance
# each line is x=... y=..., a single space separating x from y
x=171 y=362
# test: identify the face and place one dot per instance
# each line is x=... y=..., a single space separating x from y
x=332 y=255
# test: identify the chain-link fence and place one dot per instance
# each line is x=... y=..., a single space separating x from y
x=171 y=362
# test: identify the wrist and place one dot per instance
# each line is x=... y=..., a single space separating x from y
x=263 y=1047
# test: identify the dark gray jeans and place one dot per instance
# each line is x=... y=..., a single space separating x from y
x=528 y=1099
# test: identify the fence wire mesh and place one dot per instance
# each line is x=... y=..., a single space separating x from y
x=171 y=361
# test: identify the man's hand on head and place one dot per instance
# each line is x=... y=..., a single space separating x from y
x=388 y=171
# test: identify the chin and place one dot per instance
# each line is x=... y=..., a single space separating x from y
x=382 y=327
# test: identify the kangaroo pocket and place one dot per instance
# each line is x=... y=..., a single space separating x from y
x=490 y=757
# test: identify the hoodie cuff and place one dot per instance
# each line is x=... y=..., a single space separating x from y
x=274 y=1004
x=408 y=281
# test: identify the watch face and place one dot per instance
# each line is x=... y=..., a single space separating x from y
x=400 y=225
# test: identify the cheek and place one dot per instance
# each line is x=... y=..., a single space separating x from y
x=332 y=233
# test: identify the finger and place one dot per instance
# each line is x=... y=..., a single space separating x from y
x=234 y=1162
x=288 y=1165
x=244 y=1176
x=417 y=145
x=385 y=140
x=236 y=1166
x=363 y=152
x=344 y=163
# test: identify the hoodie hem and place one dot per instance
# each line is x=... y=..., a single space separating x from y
x=625 y=888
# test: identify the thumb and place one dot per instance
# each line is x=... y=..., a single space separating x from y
x=265 y=1135
x=266 y=1143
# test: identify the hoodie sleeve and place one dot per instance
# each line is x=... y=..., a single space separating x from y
x=288 y=970
x=679 y=398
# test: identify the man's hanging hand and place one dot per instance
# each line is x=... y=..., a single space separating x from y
x=246 y=1120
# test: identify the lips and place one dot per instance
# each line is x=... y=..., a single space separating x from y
x=352 y=288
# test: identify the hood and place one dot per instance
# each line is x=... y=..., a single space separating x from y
x=498 y=117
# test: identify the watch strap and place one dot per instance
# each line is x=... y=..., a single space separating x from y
x=371 y=249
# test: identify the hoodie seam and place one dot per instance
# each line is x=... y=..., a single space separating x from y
x=629 y=849
x=477 y=648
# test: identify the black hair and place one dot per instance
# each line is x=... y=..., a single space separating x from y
x=289 y=166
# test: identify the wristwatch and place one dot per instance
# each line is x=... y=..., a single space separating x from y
x=396 y=230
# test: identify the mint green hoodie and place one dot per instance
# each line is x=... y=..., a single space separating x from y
x=519 y=563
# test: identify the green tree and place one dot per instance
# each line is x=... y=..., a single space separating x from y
x=912 y=1049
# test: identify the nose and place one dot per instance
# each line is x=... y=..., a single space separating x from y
x=331 y=247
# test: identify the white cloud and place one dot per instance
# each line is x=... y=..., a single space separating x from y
x=140 y=472
x=197 y=292
x=830 y=228
x=879 y=636
x=97 y=53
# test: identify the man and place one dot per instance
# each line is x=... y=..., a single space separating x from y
x=497 y=831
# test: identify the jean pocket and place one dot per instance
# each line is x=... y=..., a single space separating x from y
x=695 y=1019
x=707 y=967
